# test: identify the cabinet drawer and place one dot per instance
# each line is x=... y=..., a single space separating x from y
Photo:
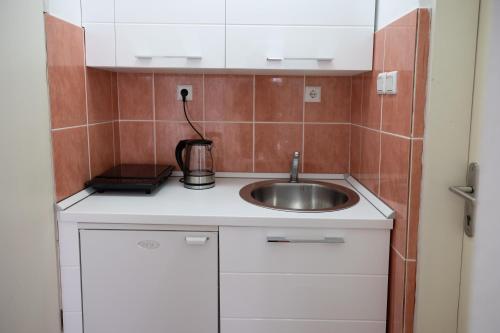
x=170 y=11
x=247 y=250
x=300 y=326
x=170 y=46
x=300 y=48
x=299 y=12
x=303 y=296
x=100 y=44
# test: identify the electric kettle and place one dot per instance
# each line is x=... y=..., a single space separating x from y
x=195 y=161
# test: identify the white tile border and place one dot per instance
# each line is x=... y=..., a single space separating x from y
x=381 y=206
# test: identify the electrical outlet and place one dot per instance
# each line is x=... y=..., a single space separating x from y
x=312 y=95
x=189 y=88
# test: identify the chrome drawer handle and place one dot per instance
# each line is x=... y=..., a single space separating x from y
x=197 y=240
x=329 y=59
x=325 y=240
x=189 y=57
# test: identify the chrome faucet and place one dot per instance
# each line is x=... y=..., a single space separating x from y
x=294 y=169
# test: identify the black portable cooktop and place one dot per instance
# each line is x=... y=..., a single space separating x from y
x=132 y=177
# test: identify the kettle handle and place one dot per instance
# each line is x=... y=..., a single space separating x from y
x=178 y=153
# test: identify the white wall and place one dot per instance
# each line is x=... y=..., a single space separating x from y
x=390 y=10
x=28 y=269
x=67 y=10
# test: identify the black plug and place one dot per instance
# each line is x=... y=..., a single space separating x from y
x=184 y=93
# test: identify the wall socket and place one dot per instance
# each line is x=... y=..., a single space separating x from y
x=312 y=94
x=189 y=88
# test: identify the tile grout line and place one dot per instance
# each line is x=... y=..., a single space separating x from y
x=153 y=96
x=68 y=127
x=401 y=256
x=387 y=133
x=87 y=115
x=253 y=123
x=415 y=68
x=303 y=121
x=240 y=122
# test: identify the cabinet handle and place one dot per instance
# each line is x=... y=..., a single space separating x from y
x=325 y=240
x=191 y=57
x=326 y=59
x=196 y=240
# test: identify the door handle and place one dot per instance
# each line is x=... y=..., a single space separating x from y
x=468 y=192
x=325 y=240
x=197 y=240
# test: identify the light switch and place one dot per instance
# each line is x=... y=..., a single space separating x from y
x=312 y=95
x=381 y=83
x=391 y=83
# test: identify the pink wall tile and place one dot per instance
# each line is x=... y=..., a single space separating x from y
x=229 y=97
x=168 y=135
x=101 y=148
x=99 y=95
x=116 y=141
x=410 y=288
x=396 y=293
x=135 y=96
x=136 y=142
x=421 y=67
x=399 y=56
x=326 y=148
x=114 y=95
x=66 y=73
x=71 y=160
x=356 y=99
x=370 y=159
x=167 y=106
x=274 y=146
x=233 y=146
x=394 y=180
x=279 y=98
x=414 y=204
x=335 y=100
x=355 y=153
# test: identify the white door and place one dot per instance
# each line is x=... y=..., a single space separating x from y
x=479 y=303
x=149 y=281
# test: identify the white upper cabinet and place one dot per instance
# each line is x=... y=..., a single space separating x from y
x=313 y=35
x=301 y=12
x=170 y=11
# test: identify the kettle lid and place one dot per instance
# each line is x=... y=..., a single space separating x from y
x=198 y=142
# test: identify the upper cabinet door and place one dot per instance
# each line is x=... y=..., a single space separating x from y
x=301 y=12
x=98 y=11
x=170 y=11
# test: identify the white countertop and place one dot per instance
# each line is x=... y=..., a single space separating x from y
x=172 y=204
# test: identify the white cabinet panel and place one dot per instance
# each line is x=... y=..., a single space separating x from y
x=300 y=326
x=300 y=12
x=170 y=46
x=303 y=296
x=244 y=250
x=100 y=44
x=149 y=281
x=98 y=11
x=170 y=11
x=301 y=48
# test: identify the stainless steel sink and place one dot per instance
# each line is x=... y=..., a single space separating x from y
x=302 y=196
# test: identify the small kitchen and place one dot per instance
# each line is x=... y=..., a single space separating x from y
x=236 y=166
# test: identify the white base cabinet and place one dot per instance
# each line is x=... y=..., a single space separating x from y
x=310 y=280
x=149 y=281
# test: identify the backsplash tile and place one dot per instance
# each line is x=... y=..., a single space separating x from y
x=279 y=98
x=135 y=96
x=137 y=142
x=66 y=73
x=326 y=148
x=274 y=145
x=335 y=105
x=233 y=146
x=167 y=107
x=229 y=97
x=71 y=160
x=101 y=148
x=100 y=95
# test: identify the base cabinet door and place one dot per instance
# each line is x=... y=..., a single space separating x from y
x=149 y=281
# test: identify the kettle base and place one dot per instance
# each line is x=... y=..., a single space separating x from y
x=199 y=186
